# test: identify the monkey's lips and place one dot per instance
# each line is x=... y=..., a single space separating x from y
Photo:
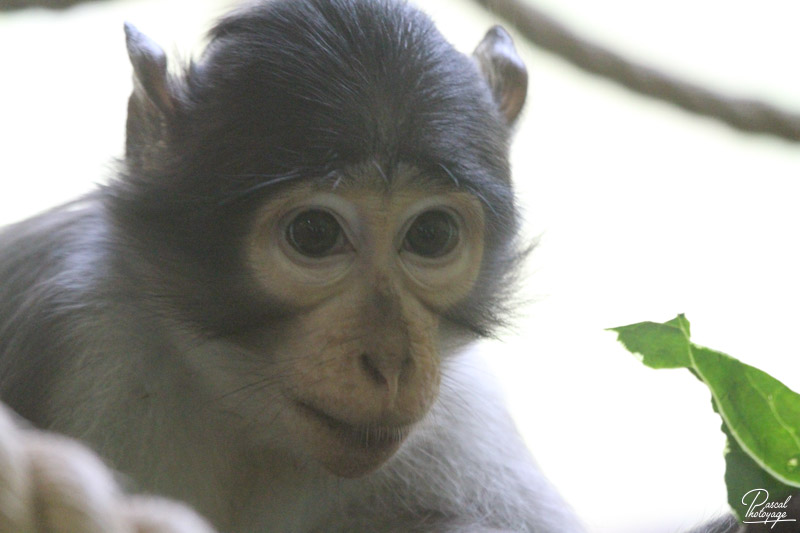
x=368 y=436
x=353 y=449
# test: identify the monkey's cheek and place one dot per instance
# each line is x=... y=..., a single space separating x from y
x=345 y=450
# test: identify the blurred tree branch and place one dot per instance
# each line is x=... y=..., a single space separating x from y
x=6 y=5
x=744 y=114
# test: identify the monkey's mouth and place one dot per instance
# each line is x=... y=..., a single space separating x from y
x=369 y=437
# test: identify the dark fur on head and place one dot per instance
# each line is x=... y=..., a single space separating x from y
x=305 y=89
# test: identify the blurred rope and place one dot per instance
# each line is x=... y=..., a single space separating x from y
x=52 y=484
x=749 y=115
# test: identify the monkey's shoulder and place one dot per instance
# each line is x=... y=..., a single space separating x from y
x=40 y=247
x=45 y=268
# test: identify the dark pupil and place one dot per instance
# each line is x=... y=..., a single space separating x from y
x=432 y=234
x=313 y=233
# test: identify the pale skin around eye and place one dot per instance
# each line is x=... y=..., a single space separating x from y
x=373 y=243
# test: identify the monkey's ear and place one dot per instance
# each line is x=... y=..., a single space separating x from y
x=149 y=70
x=152 y=104
x=504 y=71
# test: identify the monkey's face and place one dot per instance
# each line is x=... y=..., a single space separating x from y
x=323 y=304
x=369 y=272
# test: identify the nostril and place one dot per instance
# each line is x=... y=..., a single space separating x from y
x=372 y=370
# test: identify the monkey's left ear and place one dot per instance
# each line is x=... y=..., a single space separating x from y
x=504 y=71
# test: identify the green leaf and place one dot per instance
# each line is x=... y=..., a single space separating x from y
x=760 y=411
x=659 y=345
x=742 y=475
x=761 y=416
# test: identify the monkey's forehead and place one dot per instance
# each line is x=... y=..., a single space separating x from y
x=371 y=179
x=309 y=83
x=380 y=177
x=374 y=196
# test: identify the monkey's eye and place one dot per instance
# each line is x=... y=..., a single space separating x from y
x=315 y=233
x=433 y=234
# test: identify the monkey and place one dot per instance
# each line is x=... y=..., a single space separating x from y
x=268 y=311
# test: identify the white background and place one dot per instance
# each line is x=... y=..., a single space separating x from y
x=642 y=211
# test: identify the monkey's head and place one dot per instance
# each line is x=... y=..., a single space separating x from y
x=323 y=201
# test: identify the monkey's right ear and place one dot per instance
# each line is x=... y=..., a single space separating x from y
x=149 y=70
x=152 y=104
x=504 y=71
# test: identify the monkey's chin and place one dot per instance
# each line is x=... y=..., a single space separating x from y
x=349 y=450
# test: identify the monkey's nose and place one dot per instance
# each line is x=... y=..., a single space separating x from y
x=384 y=370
